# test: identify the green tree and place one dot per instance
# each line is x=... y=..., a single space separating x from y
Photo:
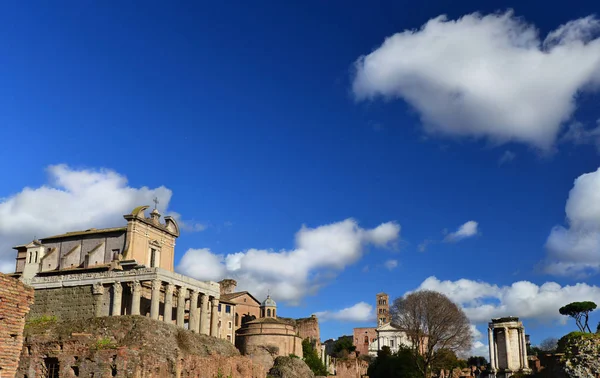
x=311 y=357
x=343 y=345
x=579 y=311
x=476 y=361
x=399 y=365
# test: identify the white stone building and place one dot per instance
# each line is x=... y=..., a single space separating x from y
x=389 y=335
x=508 y=347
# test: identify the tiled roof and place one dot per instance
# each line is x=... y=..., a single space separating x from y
x=91 y=231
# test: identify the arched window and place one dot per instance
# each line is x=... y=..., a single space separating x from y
x=237 y=320
x=36 y=256
x=30 y=253
x=366 y=339
x=269 y=312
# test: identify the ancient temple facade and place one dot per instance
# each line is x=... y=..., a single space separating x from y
x=508 y=347
x=117 y=271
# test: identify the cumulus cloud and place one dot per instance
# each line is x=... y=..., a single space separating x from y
x=391 y=264
x=486 y=76
x=360 y=312
x=292 y=274
x=467 y=230
x=483 y=301
x=73 y=199
x=575 y=249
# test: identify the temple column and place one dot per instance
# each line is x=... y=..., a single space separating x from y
x=136 y=295
x=214 y=319
x=98 y=292
x=492 y=349
x=194 y=321
x=204 y=326
x=507 y=343
x=524 y=350
x=117 y=296
x=155 y=299
x=168 y=314
x=181 y=306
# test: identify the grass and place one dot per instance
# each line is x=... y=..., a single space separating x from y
x=40 y=320
x=104 y=343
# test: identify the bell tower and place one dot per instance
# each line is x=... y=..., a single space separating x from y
x=383 y=308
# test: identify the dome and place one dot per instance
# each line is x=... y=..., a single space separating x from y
x=269 y=302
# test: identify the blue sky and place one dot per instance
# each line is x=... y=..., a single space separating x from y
x=252 y=120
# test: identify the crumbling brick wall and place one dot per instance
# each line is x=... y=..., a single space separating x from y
x=309 y=328
x=351 y=367
x=15 y=300
x=64 y=303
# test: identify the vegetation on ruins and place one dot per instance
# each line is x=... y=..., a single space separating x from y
x=343 y=346
x=432 y=322
x=447 y=360
x=399 y=365
x=40 y=320
x=580 y=312
x=477 y=361
x=311 y=358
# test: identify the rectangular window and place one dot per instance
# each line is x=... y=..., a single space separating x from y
x=391 y=343
x=228 y=309
x=219 y=307
x=152 y=258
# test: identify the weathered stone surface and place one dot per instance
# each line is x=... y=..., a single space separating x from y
x=351 y=367
x=65 y=303
x=290 y=367
x=582 y=355
x=129 y=346
x=15 y=299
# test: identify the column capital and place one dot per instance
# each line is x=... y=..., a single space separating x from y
x=215 y=302
x=97 y=289
x=117 y=287
x=156 y=284
x=135 y=285
x=169 y=288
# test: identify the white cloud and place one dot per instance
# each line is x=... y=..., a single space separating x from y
x=467 y=230
x=360 y=312
x=483 y=301
x=292 y=274
x=204 y=263
x=391 y=264
x=577 y=133
x=486 y=76
x=73 y=199
x=575 y=250
x=507 y=157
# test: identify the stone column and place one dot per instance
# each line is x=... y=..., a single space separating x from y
x=155 y=299
x=492 y=345
x=194 y=321
x=204 y=326
x=524 y=350
x=181 y=306
x=507 y=342
x=168 y=315
x=136 y=295
x=117 y=296
x=214 y=319
x=98 y=292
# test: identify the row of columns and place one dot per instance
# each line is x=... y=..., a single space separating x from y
x=198 y=315
x=494 y=360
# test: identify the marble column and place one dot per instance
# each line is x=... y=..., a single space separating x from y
x=194 y=321
x=214 y=319
x=98 y=292
x=155 y=299
x=507 y=343
x=117 y=296
x=204 y=325
x=136 y=295
x=168 y=315
x=524 y=350
x=181 y=306
x=492 y=345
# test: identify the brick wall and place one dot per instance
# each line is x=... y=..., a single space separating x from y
x=65 y=303
x=351 y=368
x=362 y=338
x=15 y=299
x=309 y=328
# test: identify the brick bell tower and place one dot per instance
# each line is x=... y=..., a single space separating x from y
x=383 y=308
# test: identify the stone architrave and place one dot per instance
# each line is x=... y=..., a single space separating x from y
x=204 y=324
x=117 y=297
x=98 y=292
x=136 y=294
x=155 y=299
x=194 y=322
x=214 y=319
x=168 y=314
x=181 y=294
